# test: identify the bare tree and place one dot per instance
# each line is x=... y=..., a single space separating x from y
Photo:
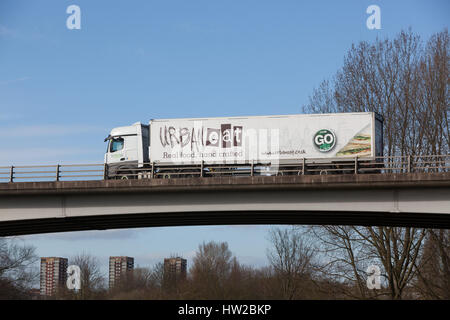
x=403 y=81
x=92 y=279
x=343 y=259
x=407 y=83
x=142 y=283
x=142 y=278
x=157 y=275
x=433 y=280
x=291 y=259
x=398 y=249
x=434 y=94
x=211 y=269
x=349 y=250
x=17 y=272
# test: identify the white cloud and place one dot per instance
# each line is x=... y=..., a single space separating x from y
x=5 y=82
x=33 y=34
x=4 y=31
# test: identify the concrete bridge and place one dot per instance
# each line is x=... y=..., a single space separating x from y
x=411 y=199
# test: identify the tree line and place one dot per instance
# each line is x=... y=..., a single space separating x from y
x=305 y=262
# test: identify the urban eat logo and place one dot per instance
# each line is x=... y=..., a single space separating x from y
x=226 y=136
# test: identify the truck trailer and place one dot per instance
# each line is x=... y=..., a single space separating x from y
x=168 y=148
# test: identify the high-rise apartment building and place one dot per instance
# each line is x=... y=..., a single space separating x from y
x=53 y=274
x=175 y=268
x=118 y=268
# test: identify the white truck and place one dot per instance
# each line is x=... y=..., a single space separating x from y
x=166 y=147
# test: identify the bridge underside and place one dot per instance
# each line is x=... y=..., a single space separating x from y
x=104 y=222
x=368 y=200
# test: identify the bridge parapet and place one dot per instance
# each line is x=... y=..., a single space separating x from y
x=355 y=181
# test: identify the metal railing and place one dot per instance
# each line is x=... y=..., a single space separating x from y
x=52 y=172
x=304 y=166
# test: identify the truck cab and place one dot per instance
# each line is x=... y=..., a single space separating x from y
x=127 y=150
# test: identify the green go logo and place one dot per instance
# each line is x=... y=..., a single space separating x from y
x=324 y=140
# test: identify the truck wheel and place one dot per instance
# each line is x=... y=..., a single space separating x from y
x=124 y=176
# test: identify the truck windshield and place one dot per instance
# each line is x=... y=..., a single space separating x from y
x=116 y=144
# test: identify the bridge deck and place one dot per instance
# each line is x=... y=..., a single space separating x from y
x=416 y=199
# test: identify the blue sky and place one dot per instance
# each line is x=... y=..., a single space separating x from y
x=61 y=90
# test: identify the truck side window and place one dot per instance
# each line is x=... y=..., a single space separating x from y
x=116 y=144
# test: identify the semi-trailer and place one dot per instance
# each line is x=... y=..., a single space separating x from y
x=174 y=145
